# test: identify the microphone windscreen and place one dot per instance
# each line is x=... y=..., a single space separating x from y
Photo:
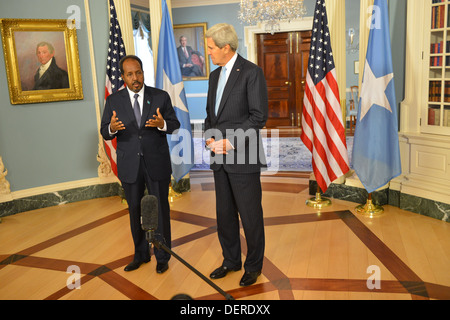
x=149 y=212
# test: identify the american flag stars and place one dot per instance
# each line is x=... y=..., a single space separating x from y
x=321 y=56
x=116 y=51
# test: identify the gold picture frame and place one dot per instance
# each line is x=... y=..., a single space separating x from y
x=50 y=43
x=198 y=60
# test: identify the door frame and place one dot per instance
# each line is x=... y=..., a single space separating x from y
x=250 y=33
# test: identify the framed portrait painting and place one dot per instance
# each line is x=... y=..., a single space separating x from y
x=191 y=48
x=41 y=59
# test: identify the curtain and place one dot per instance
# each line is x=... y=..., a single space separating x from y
x=142 y=45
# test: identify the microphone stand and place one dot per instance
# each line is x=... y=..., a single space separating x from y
x=159 y=245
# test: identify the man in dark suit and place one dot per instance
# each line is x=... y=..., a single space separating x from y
x=49 y=75
x=237 y=108
x=143 y=157
x=188 y=67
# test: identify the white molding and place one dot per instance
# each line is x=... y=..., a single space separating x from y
x=186 y=3
x=93 y=68
x=250 y=33
x=429 y=179
x=410 y=110
x=200 y=3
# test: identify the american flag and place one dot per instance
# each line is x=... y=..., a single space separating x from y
x=114 y=82
x=323 y=130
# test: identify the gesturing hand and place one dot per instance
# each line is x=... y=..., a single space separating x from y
x=157 y=121
x=116 y=124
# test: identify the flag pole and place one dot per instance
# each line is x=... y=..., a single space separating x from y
x=318 y=202
x=369 y=209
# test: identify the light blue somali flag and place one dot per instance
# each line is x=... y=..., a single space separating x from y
x=376 y=153
x=169 y=79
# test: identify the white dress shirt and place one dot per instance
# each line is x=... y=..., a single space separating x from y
x=230 y=65
x=141 y=106
x=44 y=67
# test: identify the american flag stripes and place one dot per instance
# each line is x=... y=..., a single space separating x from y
x=323 y=132
x=114 y=82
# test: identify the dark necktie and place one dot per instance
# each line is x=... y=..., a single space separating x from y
x=137 y=109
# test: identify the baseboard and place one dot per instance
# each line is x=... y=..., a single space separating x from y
x=387 y=196
x=57 y=194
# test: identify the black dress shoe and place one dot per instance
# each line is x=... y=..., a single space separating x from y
x=249 y=278
x=162 y=267
x=222 y=271
x=133 y=265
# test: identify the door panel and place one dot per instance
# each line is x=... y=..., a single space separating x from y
x=284 y=58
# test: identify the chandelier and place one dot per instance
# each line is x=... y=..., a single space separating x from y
x=271 y=12
x=352 y=41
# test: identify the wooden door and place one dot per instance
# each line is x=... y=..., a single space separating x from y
x=284 y=59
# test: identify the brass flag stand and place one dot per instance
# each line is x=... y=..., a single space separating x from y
x=369 y=209
x=318 y=202
x=173 y=195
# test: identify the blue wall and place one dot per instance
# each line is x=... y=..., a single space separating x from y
x=352 y=8
x=49 y=143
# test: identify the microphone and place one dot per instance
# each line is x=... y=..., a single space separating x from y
x=149 y=223
x=149 y=213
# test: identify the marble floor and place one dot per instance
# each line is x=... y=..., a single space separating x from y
x=78 y=251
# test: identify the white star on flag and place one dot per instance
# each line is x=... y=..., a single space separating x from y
x=174 y=91
x=373 y=91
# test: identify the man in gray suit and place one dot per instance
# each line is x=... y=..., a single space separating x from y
x=237 y=108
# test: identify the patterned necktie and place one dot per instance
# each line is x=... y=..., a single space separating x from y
x=137 y=109
x=220 y=87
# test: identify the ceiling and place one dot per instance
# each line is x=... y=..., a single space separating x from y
x=186 y=3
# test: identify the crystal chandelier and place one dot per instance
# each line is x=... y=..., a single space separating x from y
x=271 y=12
x=352 y=41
